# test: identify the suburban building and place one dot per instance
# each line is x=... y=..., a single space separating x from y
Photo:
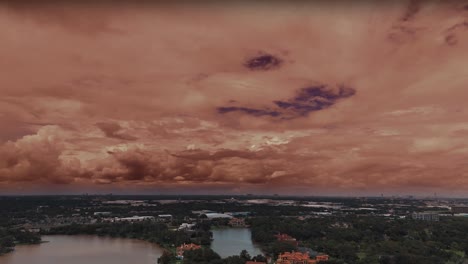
x=286 y=238
x=217 y=215
x=237 y=222
x=186 y=226
x=102 y=213
x=322 y=257
x=426 y=216
x=134 y=219
x=238 y=214
x=164 y=217
x=202 y=212
x=459 y=209
x=299 y=258
x=184 y=247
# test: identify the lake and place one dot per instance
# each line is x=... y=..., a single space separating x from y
x=84 y=249
x=104 y=250
x=231 y=241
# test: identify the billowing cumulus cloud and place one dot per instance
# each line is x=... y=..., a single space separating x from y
x=302 y=98
x=37 y=158
x=114 y=130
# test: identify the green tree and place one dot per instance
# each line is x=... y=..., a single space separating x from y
x=166 y=258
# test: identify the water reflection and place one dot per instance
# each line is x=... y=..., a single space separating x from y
x=231 y=241
x=85 y=249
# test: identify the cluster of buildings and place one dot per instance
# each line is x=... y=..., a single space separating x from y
x=133 y=219
x=185 y=247
x=128 y=202
x=300 y=258
x=434 y=216
x=61 y=220
x=461 y=210
x=303 y=255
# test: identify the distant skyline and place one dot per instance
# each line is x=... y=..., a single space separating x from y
x=297 y=97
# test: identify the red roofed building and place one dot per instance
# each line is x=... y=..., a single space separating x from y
x=322 y=257
x=299 y=258
x=184 y=247
x=287 y=238
x=295 y=258
x=237 y=222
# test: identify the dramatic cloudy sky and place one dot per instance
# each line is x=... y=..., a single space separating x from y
x=299 y=98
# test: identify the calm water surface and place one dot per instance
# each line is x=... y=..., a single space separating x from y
x=231 y=241
x=84 y=249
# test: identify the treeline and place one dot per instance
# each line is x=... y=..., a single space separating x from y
x=27 y=206
x=372 y=240
x=153 y=232
x=10 y=237
x=35 y=209
x=208 y=256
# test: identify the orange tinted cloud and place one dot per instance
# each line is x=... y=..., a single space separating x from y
x=324 y=97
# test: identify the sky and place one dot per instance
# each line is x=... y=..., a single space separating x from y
x=296 y=97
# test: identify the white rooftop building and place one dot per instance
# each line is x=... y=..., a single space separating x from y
x=134 y=219
x=217 y=215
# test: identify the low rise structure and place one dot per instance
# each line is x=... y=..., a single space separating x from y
x=289 y=259
x=299 y=258
x=286 y=238
x=322 y=257
x=184 y=247
x=134 y=219
x=426 y=216
x=217 y=215
x=237 y=222
x=202 y=212
x=165 y=217
x=459 y=209
x=102 y=213
x=237 y=214
x=186 y=226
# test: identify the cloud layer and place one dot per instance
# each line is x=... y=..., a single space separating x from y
x=299 y=98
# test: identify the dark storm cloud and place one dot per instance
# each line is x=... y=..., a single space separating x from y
x=315 y=98
x=401 y=34
x=453 y=32
x=247 y=110
x=411 y=10
x=263 y=62
x=308 y=99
